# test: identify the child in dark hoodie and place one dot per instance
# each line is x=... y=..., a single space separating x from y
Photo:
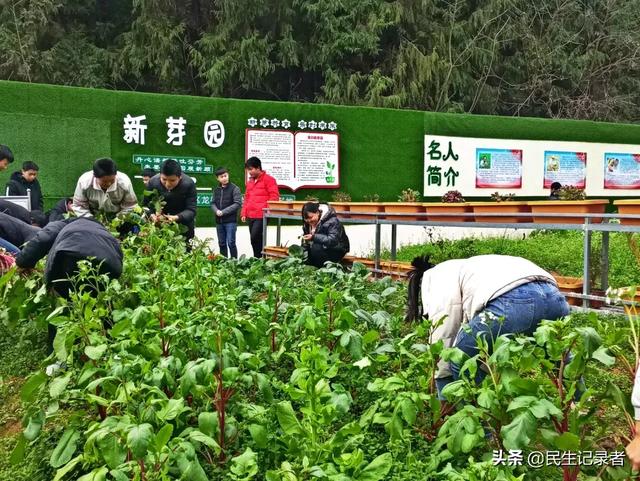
x=27 y=179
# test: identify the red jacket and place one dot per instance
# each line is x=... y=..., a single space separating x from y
x=258 y=192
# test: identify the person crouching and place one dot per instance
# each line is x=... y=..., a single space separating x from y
x=323 y=234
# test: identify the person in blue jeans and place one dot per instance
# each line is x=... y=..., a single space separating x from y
x=226 y=203
x=482 y=296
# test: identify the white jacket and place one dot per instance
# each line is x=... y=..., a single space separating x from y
x=635 y=396
x=89 y=197
x=455 y=291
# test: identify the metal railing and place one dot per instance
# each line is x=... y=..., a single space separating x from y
x=587 y=227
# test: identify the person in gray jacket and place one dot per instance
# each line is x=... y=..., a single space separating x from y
x=226 y=202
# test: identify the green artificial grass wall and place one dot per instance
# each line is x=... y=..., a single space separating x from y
x=64 y=129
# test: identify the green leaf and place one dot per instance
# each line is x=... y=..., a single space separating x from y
x=65 y=448
x=409 y=411
x=58 y=385
x=112 y=450
x=139 y=438
x=362 y=363
x=245 y=465
x=208 y=423
x=59 y=345
x=172 y=409
x=98 y=474
x=27 y=393
x=35 y=426
x=287 y=419
x=204 y=439
x=259 y=435
x=521 y=402
x=17 y=455
x=70 y=466
x=567 y=442
x=193 y=471
x=95 y=352
x=377 y=469
x=140 y=317
x=163 y=436
x=602 y=354
x=543 y=408
x=518 y=433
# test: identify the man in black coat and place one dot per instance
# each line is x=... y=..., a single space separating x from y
x=15 y=210
x=62 y=207
x=15 y=232
x=66 y=242
x=179 y=193
x=324 y=234
x=25 y=182
x=226 y=202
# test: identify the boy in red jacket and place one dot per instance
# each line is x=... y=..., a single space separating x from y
x=260 y=188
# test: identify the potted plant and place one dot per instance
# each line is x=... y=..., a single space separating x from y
x=572 y=200
x=504 y=204
x=371 y=204
x=452 y=202
x=340 y=201
x=408 y=203
x=630 y=207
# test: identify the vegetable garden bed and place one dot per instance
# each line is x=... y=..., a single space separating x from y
x=216 y=369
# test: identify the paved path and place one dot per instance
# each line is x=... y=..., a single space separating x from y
x=362 y=237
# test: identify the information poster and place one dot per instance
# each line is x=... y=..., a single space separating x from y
x=303 y=159
x=275 y=150
x=621 y=171
x=568 y=168
x=498 y=168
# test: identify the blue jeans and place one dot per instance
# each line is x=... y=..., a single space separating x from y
x=227 y=238
x=9 y=247
x=518 y=311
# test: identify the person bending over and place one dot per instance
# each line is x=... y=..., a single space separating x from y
x=482 y=296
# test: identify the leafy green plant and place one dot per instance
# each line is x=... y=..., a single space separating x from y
x=339 y=196
x=409 y=195
x=498 y=197
x=372 y=198
x=570 y=192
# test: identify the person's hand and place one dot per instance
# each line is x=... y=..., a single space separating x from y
x=154 y=218
x=219 y=213
x=633 y=453
x=307 y=237
x=172 y=218
x=243 y=219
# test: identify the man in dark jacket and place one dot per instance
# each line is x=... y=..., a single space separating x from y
x=6 y=157
x=14 y=233
x=15 y=210
x=62 y=207
x=26 y=182
x=66 y=242
x=179 y=193
x=225 y=204
x=324 y=234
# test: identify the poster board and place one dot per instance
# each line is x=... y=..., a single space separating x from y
x=297 y=160
x=479 y=166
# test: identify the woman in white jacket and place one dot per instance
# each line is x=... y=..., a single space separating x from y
x=633 y=448
x=482 y=296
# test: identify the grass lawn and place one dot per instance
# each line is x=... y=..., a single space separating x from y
x=558 y=251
